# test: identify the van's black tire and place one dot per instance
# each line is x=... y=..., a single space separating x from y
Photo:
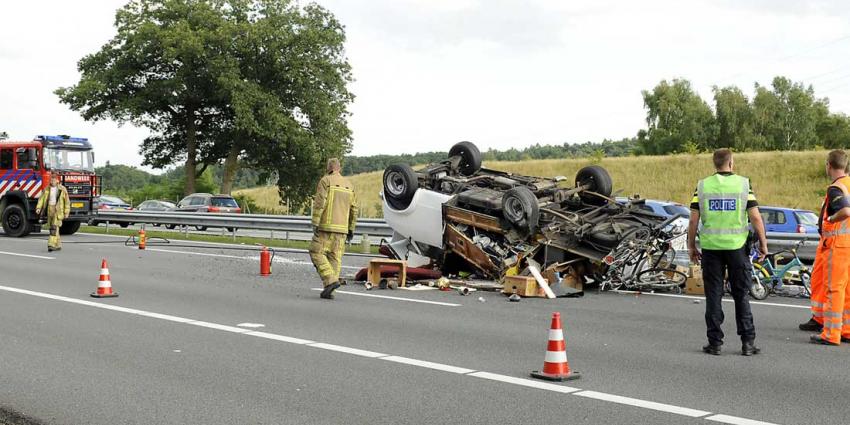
x=599 y=181
x=15 y=223
x=470 y=156
x=201 y=228
x=170 y=226
x=124 y=225
x=400 y=184
x=231 y=229
x=69 y=227
x=520 y=207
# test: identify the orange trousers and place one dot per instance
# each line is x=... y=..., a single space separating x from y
x=836 y=305
x=818 y=282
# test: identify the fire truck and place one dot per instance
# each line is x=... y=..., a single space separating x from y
x=25 y=171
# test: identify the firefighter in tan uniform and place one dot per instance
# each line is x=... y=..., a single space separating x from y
x=55 y=200
x=334 y=218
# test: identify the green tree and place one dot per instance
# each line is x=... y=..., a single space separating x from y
x=834 y=131
x=675 y=116
x=787 y=115
x=734 y=119
x=261 y=80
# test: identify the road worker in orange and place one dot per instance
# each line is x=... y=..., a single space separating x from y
x=830 y=288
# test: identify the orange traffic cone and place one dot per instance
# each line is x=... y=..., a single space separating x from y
x=555 y=365
x=142 y=239
x=104 y=286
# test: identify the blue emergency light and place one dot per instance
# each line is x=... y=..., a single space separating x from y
x=61 y=138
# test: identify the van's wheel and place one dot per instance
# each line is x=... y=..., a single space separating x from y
x=200 y=228
x=598 y=181
x=69 y=227
x=520 y=208
x=15 y=222
x=470 y=157
x=124 y=225
x=170 y=226
x=400 y=184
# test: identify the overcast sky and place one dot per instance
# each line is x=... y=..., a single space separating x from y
x=502 y=73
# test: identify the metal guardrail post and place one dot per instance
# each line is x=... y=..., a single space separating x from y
x=365 y=245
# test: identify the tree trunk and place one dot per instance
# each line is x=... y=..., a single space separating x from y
x=231 y=165
x=191 y=153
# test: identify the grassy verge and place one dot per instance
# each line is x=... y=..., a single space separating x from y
x=787 y=179
x=240 y=240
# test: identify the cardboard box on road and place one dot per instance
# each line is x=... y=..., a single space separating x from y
x=524 y=286
x=694 y=285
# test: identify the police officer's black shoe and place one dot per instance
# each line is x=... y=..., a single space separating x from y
x=811 y=326
x=817 y=339
x=49 y=249
x=748 y=348
x=714 y=350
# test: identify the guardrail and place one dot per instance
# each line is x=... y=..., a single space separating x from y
x=278 y=223
x=783 y=241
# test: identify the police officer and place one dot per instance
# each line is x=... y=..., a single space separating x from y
x=722 y=203
x=334 y=218
x=830 y=290
x=55 y=200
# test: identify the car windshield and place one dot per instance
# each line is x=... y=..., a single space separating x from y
x=224 y=202
x=807 y=218
x=111 y=200
x=68 y=159
x=677 y=209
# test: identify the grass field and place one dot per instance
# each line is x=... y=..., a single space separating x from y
x=787 y=179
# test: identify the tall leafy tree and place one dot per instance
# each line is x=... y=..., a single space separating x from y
x=264 y=81
x=734 y=119
x=786 y=115
x=676 y=116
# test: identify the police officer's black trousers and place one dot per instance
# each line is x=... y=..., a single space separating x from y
x=715 y=265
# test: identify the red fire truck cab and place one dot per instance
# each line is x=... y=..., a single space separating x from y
x=25 y=170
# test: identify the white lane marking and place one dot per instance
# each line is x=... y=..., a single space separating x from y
x=251 y=325
x=525 y=382
x=239 y=257
x=692 y=297
x=218 y=327
x=347 y=350
x=684 y=411
x=429 y=365
x=734 y=420
x=393 y=298
x=371 y=354
x=280 y=338
x=41 y=257
x=165 y=317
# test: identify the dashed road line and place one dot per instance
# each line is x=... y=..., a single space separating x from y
x=41 y=257
x=387 y=297
x=610 y=398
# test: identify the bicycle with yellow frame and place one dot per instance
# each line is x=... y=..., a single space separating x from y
x=769 y=278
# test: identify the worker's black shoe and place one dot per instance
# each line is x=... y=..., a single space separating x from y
x=811 y=326
x=327 y=293
x=817 y=339
x=748 y=348
x=714 y=350
x=845 y=339
x=49 y=249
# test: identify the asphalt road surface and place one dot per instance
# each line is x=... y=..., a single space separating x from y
x=197 y=337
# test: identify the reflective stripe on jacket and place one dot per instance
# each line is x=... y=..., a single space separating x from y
x=335 y=205
x=836 y=234
x=723 y=211
x=63 y=202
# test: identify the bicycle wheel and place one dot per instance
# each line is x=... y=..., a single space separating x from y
x=661 y=277
x=806 y=279
x=760 y=287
